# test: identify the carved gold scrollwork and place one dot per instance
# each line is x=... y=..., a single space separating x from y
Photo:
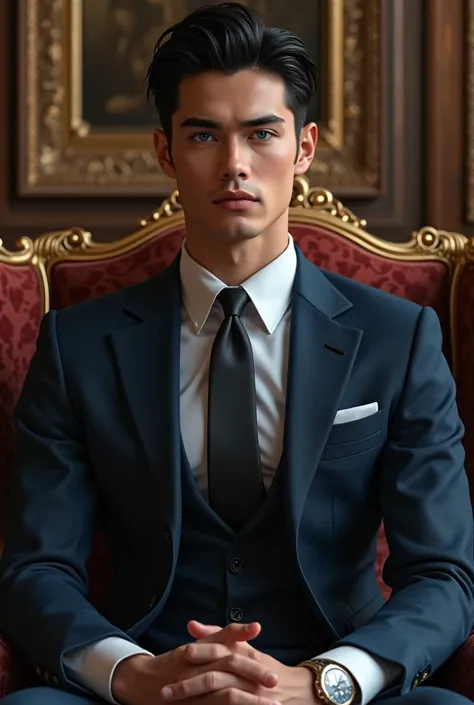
x=323 y=200
x=439 y=242
x=24 y=253
x=47 y=246
x=63 y=242
x=168 y=207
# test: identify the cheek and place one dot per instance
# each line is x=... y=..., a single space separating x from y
x=276 y=161
x=193 y=162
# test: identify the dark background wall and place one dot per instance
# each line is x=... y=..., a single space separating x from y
x=425 y=135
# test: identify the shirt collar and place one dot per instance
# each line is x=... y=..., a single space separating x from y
x=269 y=289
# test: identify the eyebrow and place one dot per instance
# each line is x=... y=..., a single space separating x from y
x=254 y=122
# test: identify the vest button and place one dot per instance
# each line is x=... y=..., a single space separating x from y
x=236 y=565
x=168 y=538
x=153 y=602
x=236 y=614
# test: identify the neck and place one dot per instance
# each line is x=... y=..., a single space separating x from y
x=235 y=262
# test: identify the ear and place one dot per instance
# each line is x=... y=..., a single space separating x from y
x=163 y=154
x=308 y=141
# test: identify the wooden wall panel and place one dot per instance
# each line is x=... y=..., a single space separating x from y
x=405 y=200
x=444 y=114
x=468 y=112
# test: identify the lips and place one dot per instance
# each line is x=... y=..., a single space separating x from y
x=238 y=196
x=239 y=204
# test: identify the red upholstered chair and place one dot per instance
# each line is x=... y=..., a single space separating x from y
x=463 y=351
x=329 y=235
x=23 y=299
x=462 y=320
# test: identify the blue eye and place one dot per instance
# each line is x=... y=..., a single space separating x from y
x=263 y=135
x=197 y=137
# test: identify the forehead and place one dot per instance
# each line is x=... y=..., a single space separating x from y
x=225 y=98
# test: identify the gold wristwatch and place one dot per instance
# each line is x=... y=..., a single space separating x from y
x=334 y=685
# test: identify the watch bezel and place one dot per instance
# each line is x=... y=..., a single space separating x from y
x=319 y=668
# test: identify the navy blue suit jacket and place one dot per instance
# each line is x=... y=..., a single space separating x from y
x=99 y=433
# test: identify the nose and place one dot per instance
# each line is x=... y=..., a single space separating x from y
x=235 y=162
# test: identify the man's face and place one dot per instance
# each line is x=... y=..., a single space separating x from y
x=233 y=154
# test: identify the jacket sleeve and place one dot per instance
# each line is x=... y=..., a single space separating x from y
x=44 y=609
x=427 y=513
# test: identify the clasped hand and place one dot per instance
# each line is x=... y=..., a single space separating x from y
x=220 y=667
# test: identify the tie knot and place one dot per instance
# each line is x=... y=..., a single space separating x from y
x=233 y=300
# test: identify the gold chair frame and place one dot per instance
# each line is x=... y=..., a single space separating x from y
x=315 y=206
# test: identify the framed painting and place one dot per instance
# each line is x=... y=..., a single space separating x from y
x=86 y=126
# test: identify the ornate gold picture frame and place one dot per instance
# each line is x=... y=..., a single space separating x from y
x=61 y=153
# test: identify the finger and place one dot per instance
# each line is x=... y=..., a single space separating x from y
x=232 y=633
x=201 y=652
x=248 y=668
x=239 y=664
x=200 y=631
x=205 y=684
x=233 y=696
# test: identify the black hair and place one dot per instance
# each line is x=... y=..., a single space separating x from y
x=229 y=37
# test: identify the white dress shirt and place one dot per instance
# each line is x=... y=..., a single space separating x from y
x=267 y=321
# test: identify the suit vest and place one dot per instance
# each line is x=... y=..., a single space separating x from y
x=223 y=576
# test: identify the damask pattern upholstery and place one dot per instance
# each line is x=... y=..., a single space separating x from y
x=72 y=282
x=426 y=282
x=20 y=316
x=21 y=309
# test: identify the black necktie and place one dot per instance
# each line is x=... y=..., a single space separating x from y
x=235 y=478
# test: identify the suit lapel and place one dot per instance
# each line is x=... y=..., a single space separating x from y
x=147 y=359
x=322 y=354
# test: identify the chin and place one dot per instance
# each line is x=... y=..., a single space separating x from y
x=239 y=231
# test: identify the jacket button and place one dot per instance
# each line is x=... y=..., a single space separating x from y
x=236 y=614
x=236 y=565
x=152 y=602
x=55 y=681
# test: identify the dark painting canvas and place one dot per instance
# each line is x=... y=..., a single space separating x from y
x=118 y=41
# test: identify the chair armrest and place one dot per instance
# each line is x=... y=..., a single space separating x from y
x=14 y=673
x=457 y=673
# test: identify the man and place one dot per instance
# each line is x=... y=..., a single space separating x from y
x=240 y=425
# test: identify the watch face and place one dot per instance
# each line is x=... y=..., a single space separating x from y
x=338 y=685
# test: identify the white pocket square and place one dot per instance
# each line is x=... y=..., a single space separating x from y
x=355 y=413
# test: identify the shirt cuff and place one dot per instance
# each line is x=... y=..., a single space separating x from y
x=371 y=674
x=93 y=666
